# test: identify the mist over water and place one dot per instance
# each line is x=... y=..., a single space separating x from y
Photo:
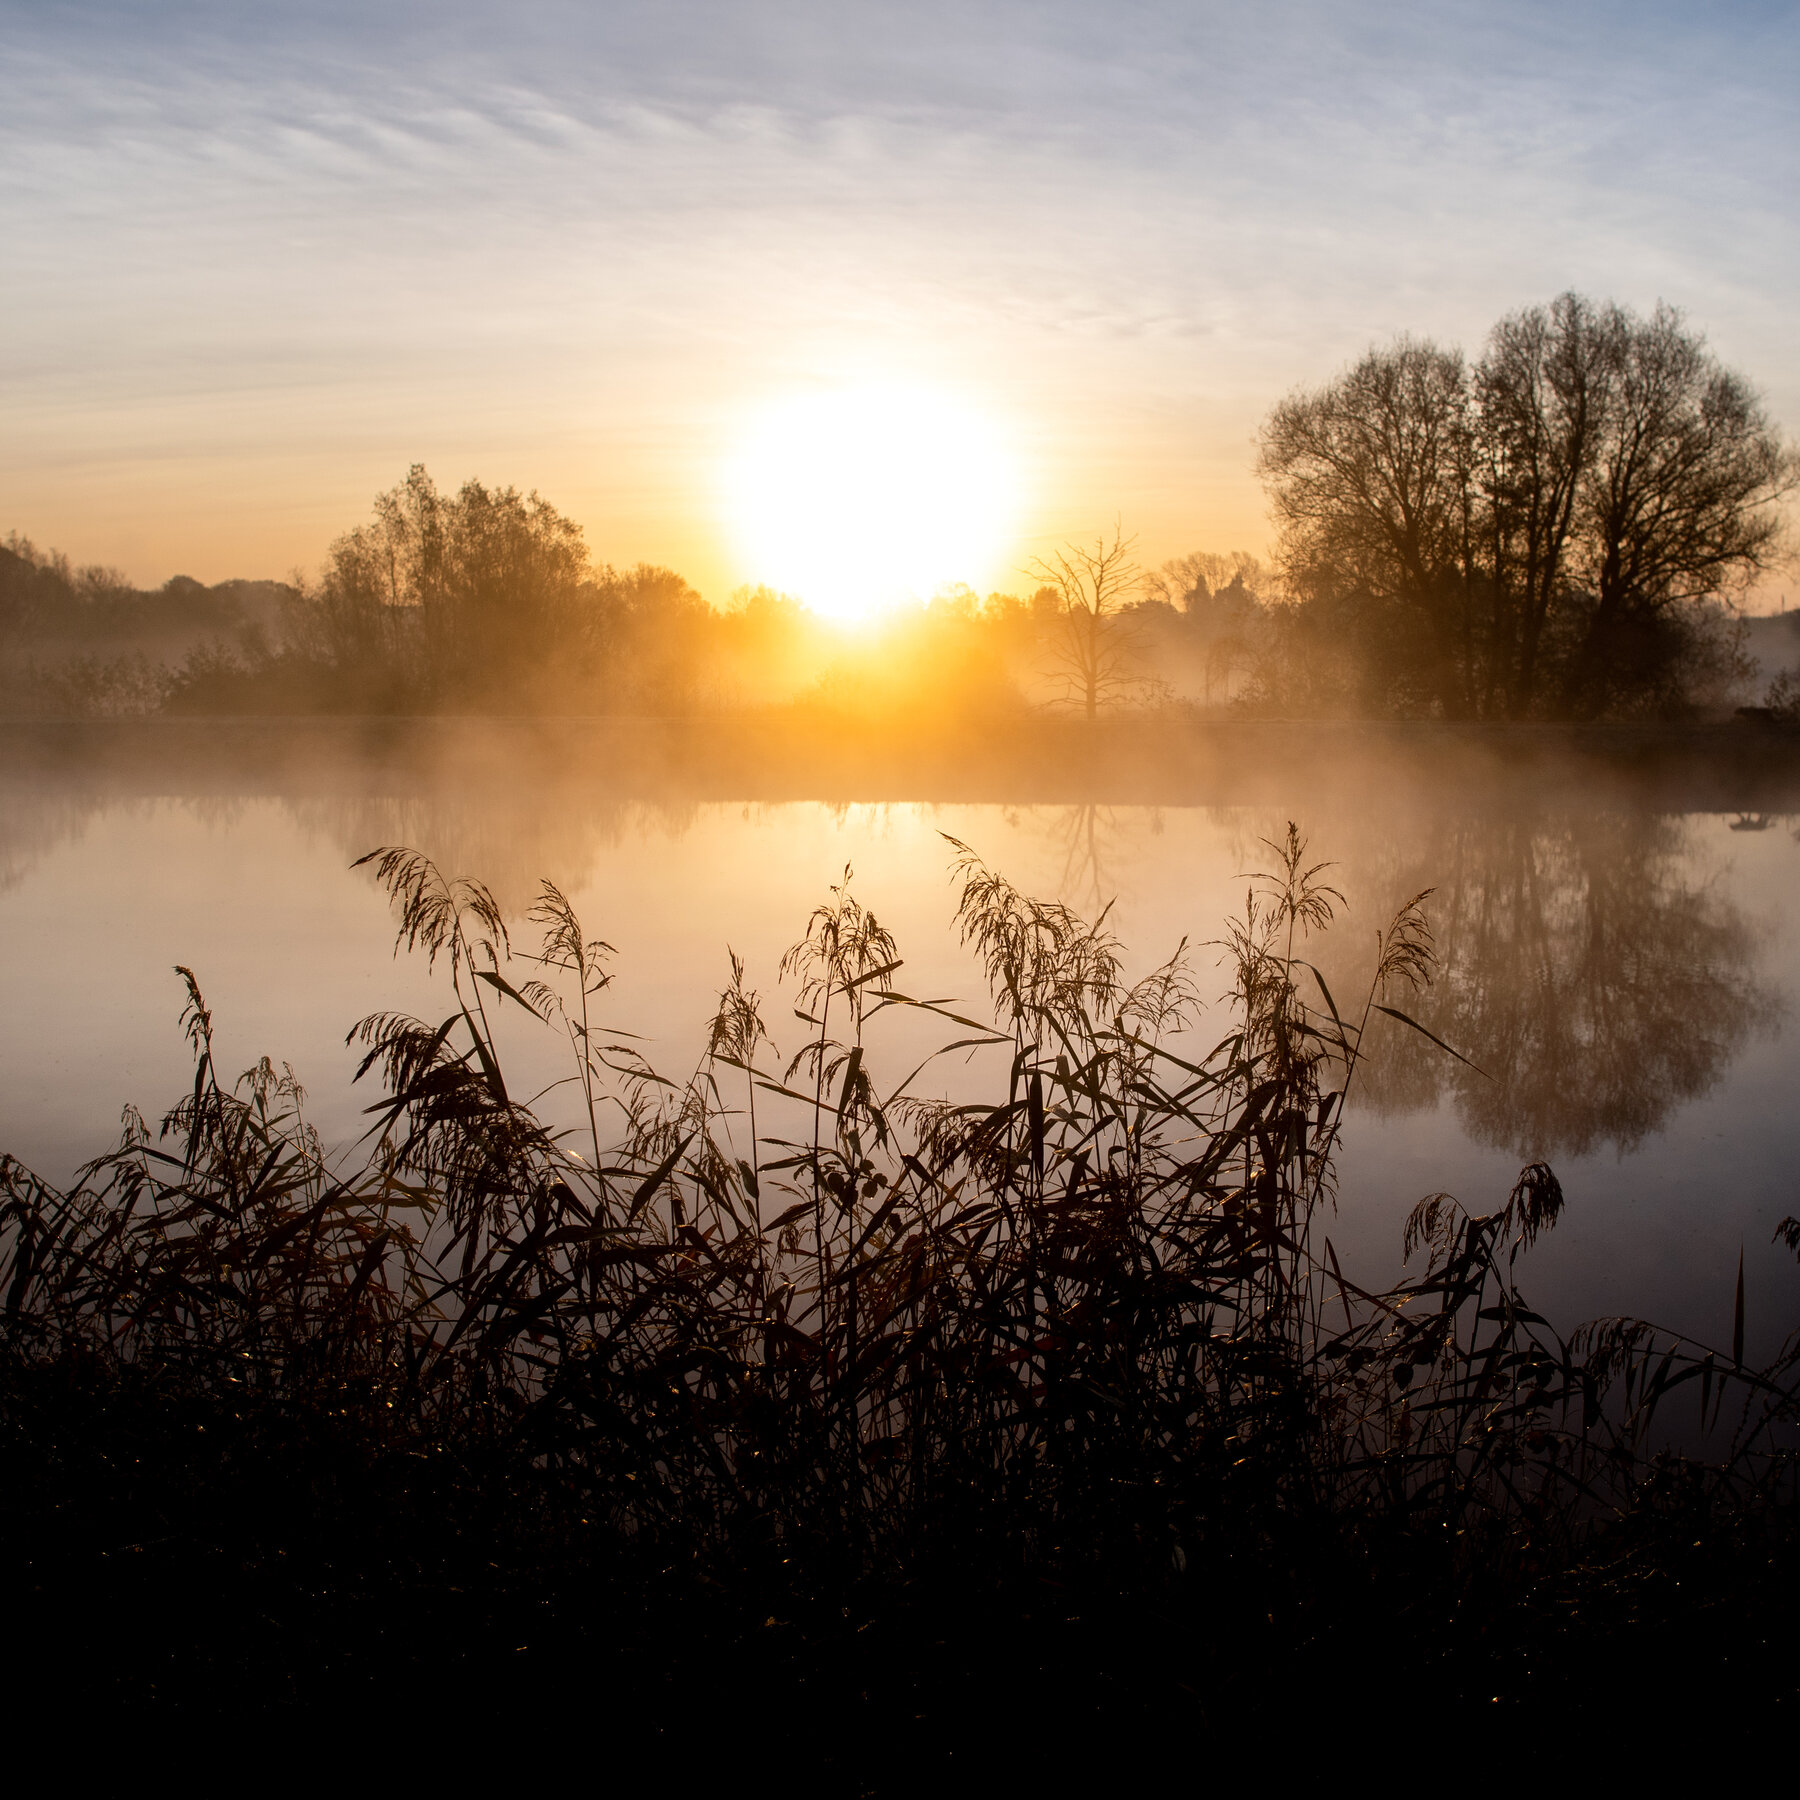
x=1619 y=959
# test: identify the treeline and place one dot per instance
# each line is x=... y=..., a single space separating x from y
x=85 y=641
x=43 y=597
x=486 y=600
x=1562 y=528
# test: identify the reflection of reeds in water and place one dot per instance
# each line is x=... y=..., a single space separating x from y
x=800 y=1316
x=1596 y=958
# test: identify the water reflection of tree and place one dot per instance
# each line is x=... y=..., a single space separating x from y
x=1094 y=842
x=1594 y=972
x=1592 y=965
x=34 y=822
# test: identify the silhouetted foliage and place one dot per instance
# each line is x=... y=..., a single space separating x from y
x=1093 y=646
x=486 y=600
x=1213 y=605
x=1089 y=1331
x=1557 y=531
x=482 y=599
x=85 y=643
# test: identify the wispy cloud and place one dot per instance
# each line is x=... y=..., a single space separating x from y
x=412 y=219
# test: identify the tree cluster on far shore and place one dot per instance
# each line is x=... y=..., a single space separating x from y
x=486 y=601
x=1564 y=528
x=1558 y=529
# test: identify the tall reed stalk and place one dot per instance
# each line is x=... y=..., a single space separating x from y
x=1096 y=1316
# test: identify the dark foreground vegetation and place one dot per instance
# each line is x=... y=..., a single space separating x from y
x=1563 y=528
x=793 y=1416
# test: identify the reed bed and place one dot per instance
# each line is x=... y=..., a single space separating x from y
x=799 y=1333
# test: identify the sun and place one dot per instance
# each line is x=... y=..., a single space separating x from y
x=863 y=498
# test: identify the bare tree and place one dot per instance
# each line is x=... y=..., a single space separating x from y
x=1187 y=582
x=1542 y=391
x=1220 y=599
x=1563 y=529
x=1370 y=483
x=1092 y=641
x=1676 y=509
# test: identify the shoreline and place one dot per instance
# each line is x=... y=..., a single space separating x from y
x=1731 y=765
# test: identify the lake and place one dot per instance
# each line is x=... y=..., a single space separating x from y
x=1615 y=913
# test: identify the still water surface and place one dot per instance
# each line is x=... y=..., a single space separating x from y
x=1623 y=963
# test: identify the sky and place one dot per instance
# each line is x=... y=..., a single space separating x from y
x=259 y=258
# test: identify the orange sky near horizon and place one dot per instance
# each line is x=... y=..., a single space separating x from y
x=638 y=464
x=262 y=259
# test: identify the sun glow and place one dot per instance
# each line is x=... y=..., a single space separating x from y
x=862 y=499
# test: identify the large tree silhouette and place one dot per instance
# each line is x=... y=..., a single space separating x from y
x=1554 y=531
